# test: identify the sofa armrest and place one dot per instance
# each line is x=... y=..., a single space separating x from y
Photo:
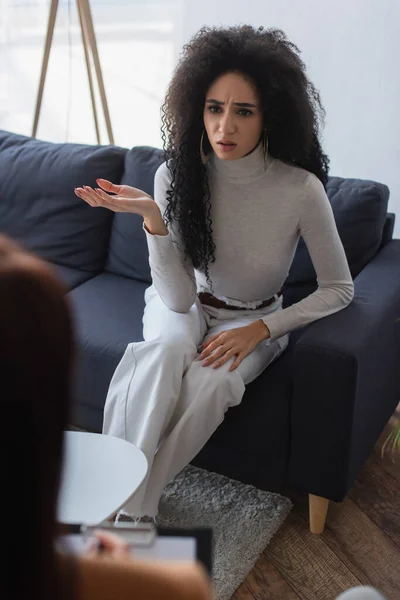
x=388 y=228
x=346 y=382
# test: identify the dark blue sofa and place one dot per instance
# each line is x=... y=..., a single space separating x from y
x=311 y=419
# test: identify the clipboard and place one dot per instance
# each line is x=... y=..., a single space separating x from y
x=149 y=541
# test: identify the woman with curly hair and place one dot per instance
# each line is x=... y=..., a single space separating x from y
x=243 y=180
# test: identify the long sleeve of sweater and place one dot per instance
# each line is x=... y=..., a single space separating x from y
x=335 y=285
x=172 y=273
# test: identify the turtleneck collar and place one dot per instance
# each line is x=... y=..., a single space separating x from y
x=244 y=169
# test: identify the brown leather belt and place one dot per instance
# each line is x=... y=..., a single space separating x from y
x=210 y=300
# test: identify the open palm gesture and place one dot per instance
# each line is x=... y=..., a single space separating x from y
x=124 y=198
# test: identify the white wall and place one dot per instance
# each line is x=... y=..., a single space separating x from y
x=352 y=52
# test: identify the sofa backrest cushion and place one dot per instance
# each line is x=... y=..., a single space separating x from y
x=128 y=253
x=38 y=206
x=359 y=207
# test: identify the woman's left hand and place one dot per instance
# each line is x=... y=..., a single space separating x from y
x=239 y=341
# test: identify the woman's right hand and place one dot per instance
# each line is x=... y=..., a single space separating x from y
x=124 y=198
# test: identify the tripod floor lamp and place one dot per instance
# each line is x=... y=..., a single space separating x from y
x=90 y=50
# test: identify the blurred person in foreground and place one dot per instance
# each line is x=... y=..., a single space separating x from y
x=36 y=362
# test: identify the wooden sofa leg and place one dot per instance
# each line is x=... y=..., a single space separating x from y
x=318 y=510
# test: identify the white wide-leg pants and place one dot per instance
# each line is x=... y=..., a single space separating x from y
x=165 y=402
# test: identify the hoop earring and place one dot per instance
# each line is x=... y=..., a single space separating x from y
x=265 y=147
x=203 y=156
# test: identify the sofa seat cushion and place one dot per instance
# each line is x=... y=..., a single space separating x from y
x=107 y=312
x=71 y=277
x=38 y=206
x=359 y=207
x=128 y=254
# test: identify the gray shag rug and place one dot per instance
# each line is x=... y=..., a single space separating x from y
x=243 y=519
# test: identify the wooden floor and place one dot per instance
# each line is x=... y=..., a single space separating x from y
x=360 y=544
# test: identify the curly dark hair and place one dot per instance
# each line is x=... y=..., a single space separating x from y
x=292 y=113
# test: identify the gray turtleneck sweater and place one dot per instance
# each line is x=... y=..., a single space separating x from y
x=259 y=211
